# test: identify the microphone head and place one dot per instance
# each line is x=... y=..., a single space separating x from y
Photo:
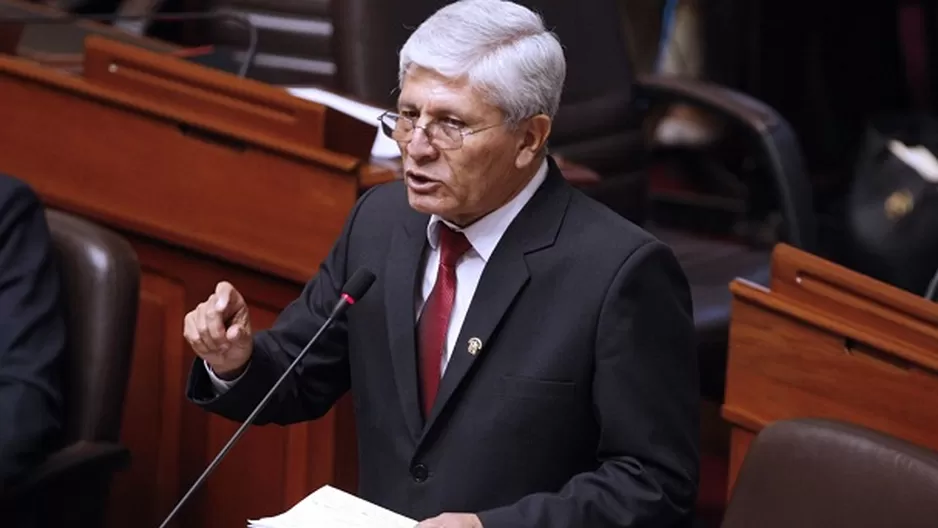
x=358 y=284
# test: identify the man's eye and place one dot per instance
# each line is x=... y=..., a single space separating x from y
x=455 y=123
x=409 y=114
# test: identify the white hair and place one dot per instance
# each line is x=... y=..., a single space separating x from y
x=500 y=47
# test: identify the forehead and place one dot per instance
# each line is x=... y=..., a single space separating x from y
x=431 y=92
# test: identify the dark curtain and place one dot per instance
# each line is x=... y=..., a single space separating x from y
x=827 y=66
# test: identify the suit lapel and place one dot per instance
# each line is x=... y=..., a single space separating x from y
x=402 y=272
x=504 y=278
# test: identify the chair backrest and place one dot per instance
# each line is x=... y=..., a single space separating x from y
x=101 y=281
x=597 y=93
x=820 y=473
x=294 y=39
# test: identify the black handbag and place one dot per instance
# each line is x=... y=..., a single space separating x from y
x=892 y=208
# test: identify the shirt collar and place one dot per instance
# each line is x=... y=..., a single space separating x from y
x=485 y=232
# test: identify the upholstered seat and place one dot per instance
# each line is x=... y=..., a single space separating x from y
x=814 y=473
x=100 y=283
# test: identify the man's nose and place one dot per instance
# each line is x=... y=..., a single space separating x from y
x=419 y=147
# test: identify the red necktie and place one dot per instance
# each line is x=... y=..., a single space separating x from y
x=436 y=312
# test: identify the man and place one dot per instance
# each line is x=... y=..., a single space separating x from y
x=32 y=334
x=525 y=356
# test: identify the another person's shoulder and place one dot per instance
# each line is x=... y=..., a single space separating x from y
x=16 y=198
x=14 y=188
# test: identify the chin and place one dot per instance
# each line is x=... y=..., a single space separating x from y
x=427 y=204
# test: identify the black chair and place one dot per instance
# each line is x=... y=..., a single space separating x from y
x=101 y=277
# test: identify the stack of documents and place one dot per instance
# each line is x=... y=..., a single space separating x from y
x=329 y=507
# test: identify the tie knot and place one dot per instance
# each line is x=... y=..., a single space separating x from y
x=453 y=245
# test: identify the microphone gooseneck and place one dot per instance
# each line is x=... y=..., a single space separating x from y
x=354 y=289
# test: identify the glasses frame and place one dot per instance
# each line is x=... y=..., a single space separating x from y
x=430 y=130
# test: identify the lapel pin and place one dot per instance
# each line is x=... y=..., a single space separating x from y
x=475 y=345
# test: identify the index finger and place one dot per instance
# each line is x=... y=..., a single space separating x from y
x=223 y=291
x=227 y=300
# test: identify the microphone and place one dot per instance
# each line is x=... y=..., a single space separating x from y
x=354 y=289
x=68 y=18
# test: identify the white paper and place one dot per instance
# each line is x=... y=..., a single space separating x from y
x=330 y=507
x=383 y=147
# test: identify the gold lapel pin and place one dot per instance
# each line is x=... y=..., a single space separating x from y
x=475 y=345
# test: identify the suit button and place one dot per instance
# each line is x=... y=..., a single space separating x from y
x=419 y=472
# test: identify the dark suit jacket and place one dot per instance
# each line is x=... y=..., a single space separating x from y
x=32 y=333
x=580 y=410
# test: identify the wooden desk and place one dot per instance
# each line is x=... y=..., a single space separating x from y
x=211 y=178
x=823 y=341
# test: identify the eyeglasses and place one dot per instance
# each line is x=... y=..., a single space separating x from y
x=441 y=135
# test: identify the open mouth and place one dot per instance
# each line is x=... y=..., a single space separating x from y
x=418 y=178
x=420 y=182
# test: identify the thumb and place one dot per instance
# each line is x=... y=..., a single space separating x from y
x=236 y=334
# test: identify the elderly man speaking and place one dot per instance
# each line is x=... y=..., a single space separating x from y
x=525 y=357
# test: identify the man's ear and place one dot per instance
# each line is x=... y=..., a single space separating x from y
x=533 y=140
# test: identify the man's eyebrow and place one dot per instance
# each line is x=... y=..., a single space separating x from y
x=441 y=110
x=448 y=111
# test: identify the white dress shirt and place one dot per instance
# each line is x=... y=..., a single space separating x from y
x=483 y=236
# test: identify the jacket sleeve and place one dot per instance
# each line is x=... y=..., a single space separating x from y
x=32 y=333
x=318 y=380
x=646 y=399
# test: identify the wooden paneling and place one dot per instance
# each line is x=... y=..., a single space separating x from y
x=172 y=440
x=149 y=412
x=823 y=341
